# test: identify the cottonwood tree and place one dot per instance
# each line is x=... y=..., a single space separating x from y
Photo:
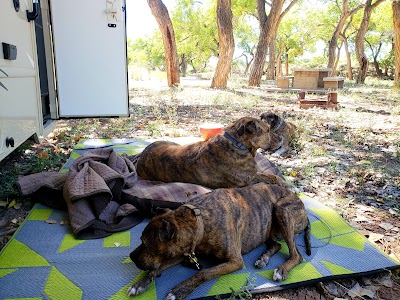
x=160 y=12
x=268 y=28
x=378 y=37
x=396 y=42
x=345 y=42
x=272 y=47
x=369 y=6
x=226 y=44
x=345 y=12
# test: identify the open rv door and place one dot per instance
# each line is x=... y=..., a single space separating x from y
x=90 y=57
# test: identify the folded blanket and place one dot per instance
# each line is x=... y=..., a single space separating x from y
x=103 y=193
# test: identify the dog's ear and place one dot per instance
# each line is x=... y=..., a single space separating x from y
x=249 y=127
x=240 y=131
x=167 y=231
x=270 y=118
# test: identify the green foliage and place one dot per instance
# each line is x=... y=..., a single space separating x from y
x=246 y=34
x=294 y=35
x=195 y=32
x=244 y=7
x=147 y=52
x=7 y=184
x=243 y=292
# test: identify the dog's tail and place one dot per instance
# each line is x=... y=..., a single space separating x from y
x=307 y=238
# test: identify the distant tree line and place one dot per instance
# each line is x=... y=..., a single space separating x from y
x=264 y=37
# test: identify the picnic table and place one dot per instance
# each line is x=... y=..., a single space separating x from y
x=309 y=78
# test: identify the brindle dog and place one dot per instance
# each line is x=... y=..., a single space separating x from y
x=223 y=224
x=222 y=161
x=285 y=130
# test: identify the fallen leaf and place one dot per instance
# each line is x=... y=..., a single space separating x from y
x=373 y=237
x=43 y=154
x=51 y=221
x=64 y=222
x=361 y=219
x=14 y=221
x=3 y=203
x=363 y=162
x=17 y=206
x=386 y=226
x=364 y=232
x=12 y=203
x=357 y=291
x=386 y=281
x=117 y=244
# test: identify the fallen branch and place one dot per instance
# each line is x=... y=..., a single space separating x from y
x=8 y=232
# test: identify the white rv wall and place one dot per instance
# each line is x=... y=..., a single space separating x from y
x=19 y=89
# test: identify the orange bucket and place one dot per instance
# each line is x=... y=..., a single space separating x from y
x=208 y=130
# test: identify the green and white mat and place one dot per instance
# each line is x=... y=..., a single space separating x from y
x=43 y=260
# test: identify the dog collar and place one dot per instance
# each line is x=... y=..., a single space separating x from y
x=279 y=126
x=198 y=235
x=238 y=144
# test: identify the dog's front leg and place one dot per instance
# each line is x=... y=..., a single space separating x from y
x=184 y=289
x=142 y=285
x=285 y=220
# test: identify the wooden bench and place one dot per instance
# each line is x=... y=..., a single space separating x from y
x=328 y=101
x=284 y=82
x=333 y=82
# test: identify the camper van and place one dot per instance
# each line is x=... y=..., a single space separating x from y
x=59 y=59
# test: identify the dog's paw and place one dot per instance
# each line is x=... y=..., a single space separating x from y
x=262 y=262
x=279 y=275
x=136 y=289
x=132 y=291
x=170 y=296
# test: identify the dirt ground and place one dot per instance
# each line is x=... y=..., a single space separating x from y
x=347 y=158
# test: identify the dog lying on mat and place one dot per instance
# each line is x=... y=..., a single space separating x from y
x=222 y=161
x=285 y=130
x=210 y=226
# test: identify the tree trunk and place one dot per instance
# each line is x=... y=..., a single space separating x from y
x=268 y=25
x=334 y=39
x=279 y=61
x=248 y=64
x=271 y=73
x=335 y=65
x=287 y=64
x=396 y=22
x=348 y=58
x=360 y=37
x=226 y=44
x=378 y=70
x=183 y=65
x=333 y=42
x=160 y=12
